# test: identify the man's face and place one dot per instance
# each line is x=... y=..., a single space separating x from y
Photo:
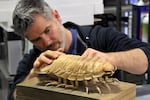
x=46 y=34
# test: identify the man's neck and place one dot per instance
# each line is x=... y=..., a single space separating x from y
x=68 y=40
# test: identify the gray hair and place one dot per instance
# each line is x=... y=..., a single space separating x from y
x=23 y=15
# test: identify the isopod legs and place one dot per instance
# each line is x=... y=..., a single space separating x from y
x=86 y=86
x=102 y=81
x=95 y=84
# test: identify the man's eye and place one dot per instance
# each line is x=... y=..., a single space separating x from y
x=47 y=31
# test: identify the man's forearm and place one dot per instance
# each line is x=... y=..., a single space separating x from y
x=133 y=61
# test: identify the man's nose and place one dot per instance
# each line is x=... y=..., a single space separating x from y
x=46 y=40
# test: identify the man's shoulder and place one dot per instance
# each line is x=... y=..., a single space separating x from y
x=31 y=56
x=34 y=51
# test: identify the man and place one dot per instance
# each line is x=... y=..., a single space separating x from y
x=36 y=21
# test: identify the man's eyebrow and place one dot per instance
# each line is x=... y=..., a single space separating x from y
x=39 y=33
x=44 y=31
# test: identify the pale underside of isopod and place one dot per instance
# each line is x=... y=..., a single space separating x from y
x=75 y=68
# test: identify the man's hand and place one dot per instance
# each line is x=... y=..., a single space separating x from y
x=91 y=53
x=133 y=61
x=46 y=58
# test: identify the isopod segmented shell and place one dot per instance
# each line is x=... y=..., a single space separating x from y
x=75 y=67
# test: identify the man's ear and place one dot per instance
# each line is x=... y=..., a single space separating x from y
x=56 y=15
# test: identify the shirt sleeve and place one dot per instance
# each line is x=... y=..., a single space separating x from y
x=110 y=40
x=117 y=41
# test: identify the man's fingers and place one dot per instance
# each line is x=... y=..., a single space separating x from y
x=90 y=53
x=50 y=54
x=47 y=57
x=41 y=60
x=60 y=50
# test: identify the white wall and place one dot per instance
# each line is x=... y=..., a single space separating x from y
x=78 y=11
x=6 y=9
